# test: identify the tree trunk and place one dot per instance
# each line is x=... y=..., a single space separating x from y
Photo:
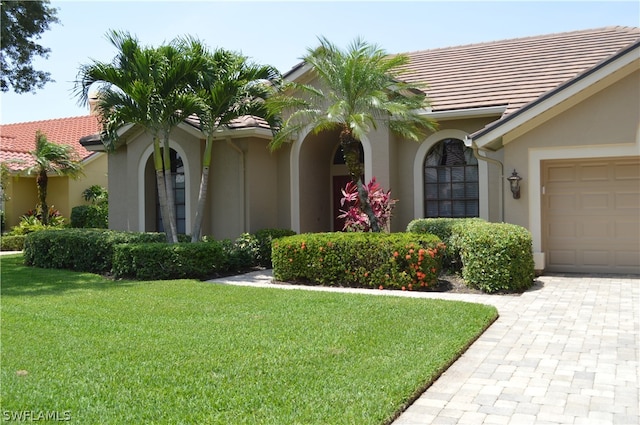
x=162 y=191
x=169 y=185
x=351 y=151
x=42 y=181
x=202 y=194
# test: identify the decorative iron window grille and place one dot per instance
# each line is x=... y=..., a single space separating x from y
x=451 y=181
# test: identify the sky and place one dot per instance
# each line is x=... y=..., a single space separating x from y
x=279 y=33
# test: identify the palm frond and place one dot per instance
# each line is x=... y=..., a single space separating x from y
x=361 y=91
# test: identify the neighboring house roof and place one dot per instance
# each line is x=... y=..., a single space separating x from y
x=512 y=72
x=17 y=140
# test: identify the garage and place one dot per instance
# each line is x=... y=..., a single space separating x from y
x=591 y=215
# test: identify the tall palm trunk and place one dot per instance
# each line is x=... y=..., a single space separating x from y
x=42 y=181
x=351 y=152
x=169 y=187
x=202 y=194
x=162 y=191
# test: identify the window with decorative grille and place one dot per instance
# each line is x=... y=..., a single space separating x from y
x=451 y=181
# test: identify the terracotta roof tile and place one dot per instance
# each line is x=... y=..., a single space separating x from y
x=511 y=72
x=17 y=140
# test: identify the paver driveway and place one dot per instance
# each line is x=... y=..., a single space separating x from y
x=564 y=352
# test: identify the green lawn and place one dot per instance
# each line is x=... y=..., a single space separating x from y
x=191 y=352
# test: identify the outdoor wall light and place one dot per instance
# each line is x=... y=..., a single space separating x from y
x=514 y=182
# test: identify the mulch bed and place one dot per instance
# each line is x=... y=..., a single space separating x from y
x=447 y=283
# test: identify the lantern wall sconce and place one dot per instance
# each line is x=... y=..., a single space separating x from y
x=514 y=182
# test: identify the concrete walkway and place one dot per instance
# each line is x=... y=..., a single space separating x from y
x=565 y=352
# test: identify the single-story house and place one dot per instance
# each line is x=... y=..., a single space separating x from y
x=560 y=111
x=18 y=140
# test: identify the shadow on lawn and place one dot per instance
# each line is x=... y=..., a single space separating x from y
x=20 y=280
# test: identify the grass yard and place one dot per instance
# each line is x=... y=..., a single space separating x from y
x=192 y=352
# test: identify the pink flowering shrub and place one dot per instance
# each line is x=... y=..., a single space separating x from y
x=355 y=219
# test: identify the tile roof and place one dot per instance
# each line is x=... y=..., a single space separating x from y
x=17 y=140
x=511 y=72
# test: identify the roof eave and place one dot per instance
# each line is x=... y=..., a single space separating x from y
x=297 y=71
x=486 y=111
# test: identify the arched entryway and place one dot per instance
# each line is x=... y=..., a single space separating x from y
x=316 y=181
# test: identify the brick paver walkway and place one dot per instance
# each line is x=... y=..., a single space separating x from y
x=565 y=352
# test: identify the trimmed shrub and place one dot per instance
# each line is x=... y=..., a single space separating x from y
x=152 y=261
x=12 y=242
x=446 y=229
x=494 y=257
x=88 y=250
x=262 y=244
x=497 y=257
x=90 y=216
x=238 y=254
x=250 y=250
x=375 y=260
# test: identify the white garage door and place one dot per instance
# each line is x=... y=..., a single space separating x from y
x=591 y=215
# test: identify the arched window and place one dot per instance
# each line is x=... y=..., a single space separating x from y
x=451 y=180
x=177 y=171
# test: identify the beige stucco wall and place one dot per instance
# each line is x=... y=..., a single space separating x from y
x=242 y=188
x=119 y=196
x=610 y=117
x=284 y=186
x=403 y=156
x=226 y=198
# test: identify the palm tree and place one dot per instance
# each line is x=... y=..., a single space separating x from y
x=230 y=87
x=148 y=87
x=51 y=158
x=360 y=89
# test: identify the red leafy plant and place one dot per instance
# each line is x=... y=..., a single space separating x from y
x=355 y=219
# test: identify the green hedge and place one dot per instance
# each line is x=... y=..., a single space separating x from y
x=495 y=257
x=250 y=250
x=263 y=243
x=12 y=242
x=152 y=261
x=146 y=255
x=445 y=229
x=88 y=250
x=90 y=216
x=375 y=260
